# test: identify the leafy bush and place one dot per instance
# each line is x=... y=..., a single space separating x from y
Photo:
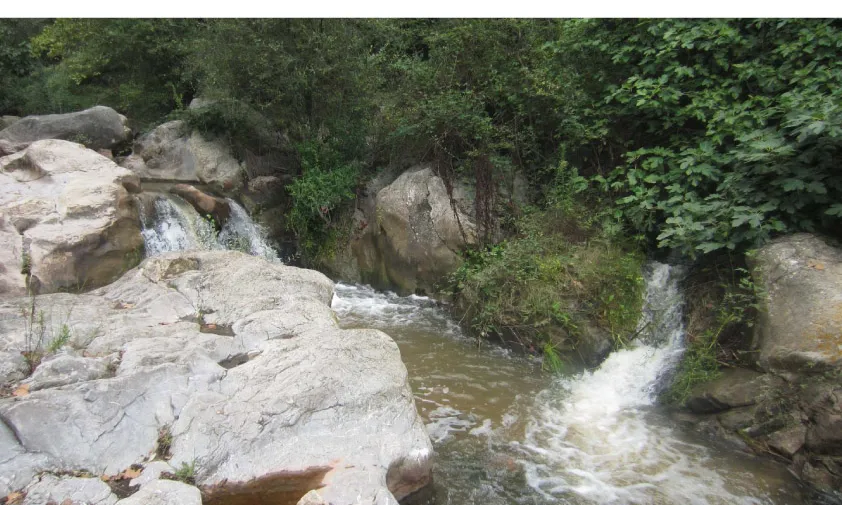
x=133 y=65
x=734 y=128
x=325 y=185
x=541 y=287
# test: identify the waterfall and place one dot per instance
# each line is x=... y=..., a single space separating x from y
x=597 y=435
x=173 y=225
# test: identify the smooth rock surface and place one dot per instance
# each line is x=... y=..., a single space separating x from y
x=171 y=152
x=152 y=472
x=800 y=328
x=67 y=217
x=244 y=361
x=99 y=127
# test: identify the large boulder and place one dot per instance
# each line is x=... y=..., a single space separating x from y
x=800 y=326
x=66 y=218
x=99 y=127
x=241 y=363
x=171 y=152
x=7 y=121
x=418 y=231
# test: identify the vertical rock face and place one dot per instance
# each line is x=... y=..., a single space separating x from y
x=241 y=362
x=170 y=152
x=98 y=128
x=408 y=235
x=66 y=218
x=800 y=328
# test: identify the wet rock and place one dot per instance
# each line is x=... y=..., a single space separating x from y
x=171 y=152
x=164 y=492
x=789 y=440
x=800 y=328
x=67 y=213
x=99 y=127
x=737 y=419
x=69 y=491
x=205 y=204
x=736 y=387
x=824 y=409
x=316 y=407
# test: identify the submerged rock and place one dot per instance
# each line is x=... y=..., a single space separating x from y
x=99 y=127
x=66 y=218
x=281 y=402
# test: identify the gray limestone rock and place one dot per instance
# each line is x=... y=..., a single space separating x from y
x=69 y=491
x=164 y=492
x=243 y=362
x=99 y=127
x=66 y=369
x=171 y=152
x=66 y=217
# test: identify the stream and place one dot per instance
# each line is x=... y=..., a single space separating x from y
x=506 y=432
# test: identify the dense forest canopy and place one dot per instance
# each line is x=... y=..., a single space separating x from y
x=692 y=135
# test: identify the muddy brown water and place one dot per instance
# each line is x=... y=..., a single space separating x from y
x=506 y=432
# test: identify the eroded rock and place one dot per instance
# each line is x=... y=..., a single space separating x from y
x=66 y=217
x=420 y=233
x=737 y=387
x=314 y=405
x=164 y=492
x=69 y=491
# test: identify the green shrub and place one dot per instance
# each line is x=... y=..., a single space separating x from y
x=318 y=196
x=723 y=302
x=543 y=286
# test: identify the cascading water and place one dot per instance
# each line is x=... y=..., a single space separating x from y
x=173 y=225
x=505 y=432
x=597 y=437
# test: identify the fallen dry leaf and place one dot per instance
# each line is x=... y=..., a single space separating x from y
x=21 y=391
x=131 y=473
x=14 y=498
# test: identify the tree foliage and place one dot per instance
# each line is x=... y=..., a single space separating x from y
x=701 y=135
x=733 y=128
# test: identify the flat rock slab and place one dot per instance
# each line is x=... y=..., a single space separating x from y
x=281 y=402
